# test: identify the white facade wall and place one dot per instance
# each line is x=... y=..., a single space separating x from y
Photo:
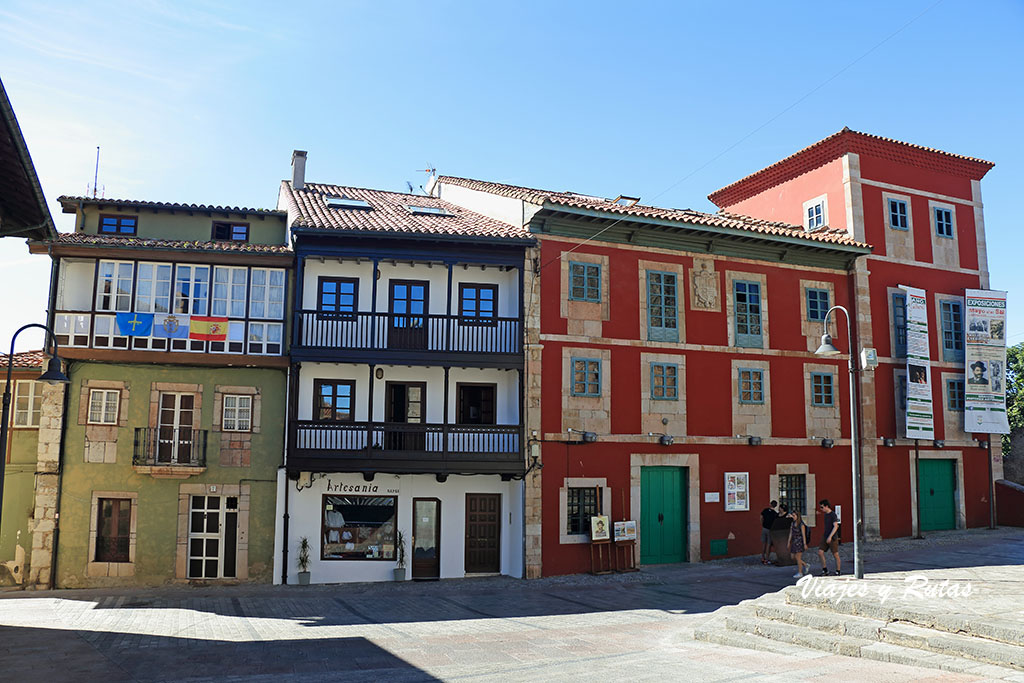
x=74 y=285
x=305 y=510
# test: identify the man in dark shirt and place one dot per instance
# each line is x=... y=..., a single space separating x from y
x=830 y=538
x=768 y=516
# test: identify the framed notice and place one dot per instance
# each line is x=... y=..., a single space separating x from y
x=625 y=531
x=599 y=528
x=737 y=494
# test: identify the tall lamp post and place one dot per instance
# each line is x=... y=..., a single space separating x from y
x=827 y=349
x=53 y=375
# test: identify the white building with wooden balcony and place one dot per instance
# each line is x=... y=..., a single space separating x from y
x=405 y=387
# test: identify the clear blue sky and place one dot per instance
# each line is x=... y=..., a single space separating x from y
x=204 y=102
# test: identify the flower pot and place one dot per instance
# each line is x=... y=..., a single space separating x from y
x=303 y=578
x=399 y=573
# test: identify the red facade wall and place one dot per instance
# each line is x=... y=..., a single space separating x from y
x=784 y=202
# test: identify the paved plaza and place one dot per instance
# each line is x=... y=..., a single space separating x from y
x=636 y=626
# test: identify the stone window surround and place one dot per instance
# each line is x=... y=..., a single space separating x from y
x=820 y=199
x=36 y=390
x=822 y=421
x=939 y=298
x=945 y=250
x=220 y=391
x=899 y=243
x=158 y=388
x=88 y=410
x=952 y=420
x=751 y=419
x=99 y=569
x=813 y=329
x=584 y=318
x=691 y=461
x=892 y=328
x=653 y=411
x=901 y=413
x=932 y=205
x=185 y=493
x=811 y=504
x=563 y=504
x=677 y=269
x=588 y=413
x=958 y=493
x=100 y=445
x=731 y=276
x=122 y=410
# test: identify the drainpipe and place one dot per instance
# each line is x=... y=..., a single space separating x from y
x=52 y=582
x=289 y=394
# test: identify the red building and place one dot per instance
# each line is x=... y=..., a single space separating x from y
x=671 y=375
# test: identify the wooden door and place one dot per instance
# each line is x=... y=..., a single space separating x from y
x=174 y=440
x=405 y=403
x=936 y=486
x=483 y=533
x=426 y=538
x=408 y=305
x=663 y=515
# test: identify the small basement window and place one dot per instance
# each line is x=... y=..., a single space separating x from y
x=428 y=210
x=347 y=203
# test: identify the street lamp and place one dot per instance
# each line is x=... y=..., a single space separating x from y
x=53 y=375
x=827 y=349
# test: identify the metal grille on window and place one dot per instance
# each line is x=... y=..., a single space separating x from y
x=793 y=492
x=582 y=504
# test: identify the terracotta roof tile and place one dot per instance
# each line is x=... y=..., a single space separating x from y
x=68 y=201
x=26 y=359
x=388 y=212
x=721 y=219
x=84 y=239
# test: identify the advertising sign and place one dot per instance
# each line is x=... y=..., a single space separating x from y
x=985 y=362
x=920 y=421
x=736 y=491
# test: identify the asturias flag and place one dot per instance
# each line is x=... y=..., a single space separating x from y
x=207 y=328
x=134 y=324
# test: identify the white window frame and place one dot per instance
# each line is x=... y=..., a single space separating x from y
x=232 y=292
x=153 y=299
x=30 y=416
x=267 y=294
x=202 y=536
x=258 y=347
x=231 y=416
x=104 y=418
x=117 y=301
x=191 y=299
x=821 y=200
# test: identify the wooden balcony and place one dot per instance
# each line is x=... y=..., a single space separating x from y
x=377 y=337
x=406 y=448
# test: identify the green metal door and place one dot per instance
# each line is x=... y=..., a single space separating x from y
x=663 y=523
x=936 y=485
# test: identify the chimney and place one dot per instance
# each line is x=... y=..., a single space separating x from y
x=298 y=169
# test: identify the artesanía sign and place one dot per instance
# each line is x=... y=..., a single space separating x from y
x=985 y=362
x=920 y=421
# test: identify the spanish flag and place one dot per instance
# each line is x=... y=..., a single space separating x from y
x=208 y=329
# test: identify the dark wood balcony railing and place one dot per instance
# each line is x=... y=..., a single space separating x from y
x=171 y=446
x=431 y=441
x=427 y=332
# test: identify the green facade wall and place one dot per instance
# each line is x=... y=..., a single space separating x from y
x=19 y=499
x=158 y=498
x=180 y=225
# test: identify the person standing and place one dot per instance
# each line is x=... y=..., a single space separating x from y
x=830 y=538
x=768 y=517
x=797 y=541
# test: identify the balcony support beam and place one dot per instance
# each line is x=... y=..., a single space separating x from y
x=444 y=428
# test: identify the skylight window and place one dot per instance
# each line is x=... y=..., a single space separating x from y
x=625 y=200
x=347 y=203
x=428 y=210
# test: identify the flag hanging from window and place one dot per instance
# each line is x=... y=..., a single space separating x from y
x=134 y=324
x=171 y=326
x=208 y=328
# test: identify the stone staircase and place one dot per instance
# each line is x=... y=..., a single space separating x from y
x=992 y=648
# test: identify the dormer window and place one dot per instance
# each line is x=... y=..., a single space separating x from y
x=224 y=231
x=344 y=202
x=428 y=210
x=816 y=213
x=119 y=225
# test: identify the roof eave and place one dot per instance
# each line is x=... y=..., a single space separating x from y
x=376 y=234
x=45 y=229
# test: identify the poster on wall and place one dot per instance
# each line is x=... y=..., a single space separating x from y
x=736 y=489
x=920 y=421
x=985 y=362
x=625 y=531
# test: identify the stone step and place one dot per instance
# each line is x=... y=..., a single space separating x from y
x=1005 y=631
x=958 y=645
x=751 y=631
x=820 y=620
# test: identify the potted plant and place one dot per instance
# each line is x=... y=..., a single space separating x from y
x=303 y=561
x=400 y=565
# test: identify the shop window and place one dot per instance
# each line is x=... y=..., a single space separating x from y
x=583 y=503
x=359 y=527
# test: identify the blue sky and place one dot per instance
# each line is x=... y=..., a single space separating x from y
x=204 y=102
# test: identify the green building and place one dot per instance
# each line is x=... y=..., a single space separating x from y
x=172 y=321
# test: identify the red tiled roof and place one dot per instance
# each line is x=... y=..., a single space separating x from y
x=26 y=359
x=124 y=242
x=69 y=203
x=389 y=213
x=841 y=143
x=721 y=219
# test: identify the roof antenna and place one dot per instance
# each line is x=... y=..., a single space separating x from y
x=409 y=185
x=96 y=175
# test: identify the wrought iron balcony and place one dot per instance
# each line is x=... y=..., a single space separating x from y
x=169 y=447
x=388 y=446
x=406 y=334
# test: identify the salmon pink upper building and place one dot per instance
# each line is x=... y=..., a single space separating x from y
x=671 y=377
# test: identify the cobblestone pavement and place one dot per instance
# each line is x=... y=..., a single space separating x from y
x=631 y=626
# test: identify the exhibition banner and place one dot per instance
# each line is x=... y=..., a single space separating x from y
x=920 y=421
x=985 y=362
